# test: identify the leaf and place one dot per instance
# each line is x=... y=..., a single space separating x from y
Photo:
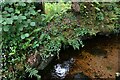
x=12 y=53
x=9 y=21
x=48 y=37
x=23 y=17
x=33 y=72
x=10 y=10
x=33 y=12
x=28 y=20
x=38 y=29
x=17 y=11
x=1 y=20
x=0 y=28
x=25 y=24
x=32 y=23
x=42 y=36
x=98 y=9
x=15 y=17
x=100 y=16
x=20 y=28
x=35 y=44
x=22 y=36
x=22 y=4
x=6 y=8
x=27 y=35
x=6 y=28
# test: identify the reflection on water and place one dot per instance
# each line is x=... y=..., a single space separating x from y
x=61 y=70
x=92 y=60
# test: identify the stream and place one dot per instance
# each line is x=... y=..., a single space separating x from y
x=97 y=59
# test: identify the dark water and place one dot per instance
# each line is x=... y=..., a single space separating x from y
x=59 y=69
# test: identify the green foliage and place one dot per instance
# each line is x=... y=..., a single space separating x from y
x=53 y=8
x=75 y=43
x=100 y=16
x=25 y=31
x=33 y=72
x=19 y=32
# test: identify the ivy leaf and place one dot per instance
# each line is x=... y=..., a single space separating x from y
x=20 y=28
x=26 y=25
x=9 y=21
x=28 y=20
x=33 y=12
x=17 y=11
x=32 y=23
x=6 y=8
x=4 y=23
x=1 y=19
x=22 y=4
x=23 y=17
x=15 y=17
x=27 y=35
x=0 y=28
x=6 y=28
x=10 y=10
x=22 y=36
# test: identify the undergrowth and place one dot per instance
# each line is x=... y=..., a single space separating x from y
x=25 y=31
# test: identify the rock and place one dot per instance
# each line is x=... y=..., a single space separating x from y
x=44 y=63
x=75 y=7
x=35 y=60
x=80 y=76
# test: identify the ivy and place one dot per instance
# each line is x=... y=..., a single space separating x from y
x=32 y=23
x=25 y=31
x=18 y=20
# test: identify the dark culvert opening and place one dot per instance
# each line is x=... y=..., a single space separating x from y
x=99 y=58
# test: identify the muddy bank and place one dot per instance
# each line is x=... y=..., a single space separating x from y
x=99 y=58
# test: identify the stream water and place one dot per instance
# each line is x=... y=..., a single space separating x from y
x=98 y=59
x=60 y=70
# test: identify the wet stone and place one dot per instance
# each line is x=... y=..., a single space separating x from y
x=99 y=52
x=80 y=76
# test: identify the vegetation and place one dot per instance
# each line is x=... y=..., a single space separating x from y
x=25 y=31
